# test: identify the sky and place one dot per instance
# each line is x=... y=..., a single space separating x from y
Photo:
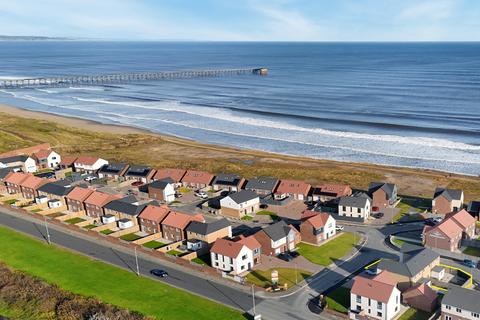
x=245 y=20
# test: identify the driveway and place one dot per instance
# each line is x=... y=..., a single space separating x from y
x=269 y=262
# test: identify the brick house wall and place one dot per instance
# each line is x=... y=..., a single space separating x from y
x=75 y=205
x=442 y=243
x=13 y=188
x=29 y=193
x=418 y=302
x=442 y=206
x=380 y=199
x=93 y=210
x=149 y=226
x=155 y=193
x=172 y=233
x=307 y=232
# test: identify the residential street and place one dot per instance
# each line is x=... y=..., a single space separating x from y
x=290 y=305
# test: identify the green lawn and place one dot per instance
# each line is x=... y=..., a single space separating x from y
x=333 y=250
x=107 y=231
x=272 y=215
x=247 y=218
x=55 y=215
x=263 y=278
x=105 y=282
x=203 y=260
x=339 y=300
x=74 y=220
x=130 y=237
x=36 y=210
x=175 y=253
x=472 y=251
x=413 y=314
x=10 y=202
x=90 y=226
x=153 y=244
x=407 y=205
x=184 y=190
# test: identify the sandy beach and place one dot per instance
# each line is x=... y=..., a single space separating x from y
x=122 y=143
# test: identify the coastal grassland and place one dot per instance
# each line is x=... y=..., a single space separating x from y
x=76 y=137
x=90 y=278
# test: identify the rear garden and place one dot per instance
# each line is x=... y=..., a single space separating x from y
x=74 y=220
x=130 y=237
x=331 y=251
x=154 y=244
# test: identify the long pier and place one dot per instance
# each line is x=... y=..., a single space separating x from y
x=94 y=80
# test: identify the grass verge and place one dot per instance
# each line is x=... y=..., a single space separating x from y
x=472 y=251
x=329 y=252
x=263 y=278
x=105 y=282
x=339 y=300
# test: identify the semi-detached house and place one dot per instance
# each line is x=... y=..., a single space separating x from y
x=278 y=238
x=383 y=195
x=228 y=181
x=200 y=235
x=30 y=186
x=447 y=200
x=356 y=207
x=197 y=179
x=124 y=210
x=175 y=224
x=150 y=220
x=298 y=190
x=27 y=163
x=174 y=174
x=13 y=182
x=47 y=159
x=76 y=198
x=262 y=185
x=95 y=203
x=114 y=171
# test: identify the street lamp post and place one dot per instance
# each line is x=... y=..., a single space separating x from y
x=253 y=299
x=46 y=228
x=136 y=262
x=296 y=276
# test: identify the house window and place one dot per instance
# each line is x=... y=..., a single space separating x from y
x=379 y=314
x=344 y=208
x=359 y=210
x=448 y=318
x=359 y=299
x=475 y=315
x=459 y=310
x=244 y=257
x=369 y=302
x=379 y=305
x=242 y=267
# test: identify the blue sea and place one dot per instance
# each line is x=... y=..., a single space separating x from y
x=398 y=104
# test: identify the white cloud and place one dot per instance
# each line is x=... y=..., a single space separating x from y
x=433 y=9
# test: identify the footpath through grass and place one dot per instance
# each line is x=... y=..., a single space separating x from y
x=333 y=250
x=79 y=274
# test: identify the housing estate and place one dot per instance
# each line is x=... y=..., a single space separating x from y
x=239 y=204
x=318 y=227
x=377 y=298
x=447 y=200
x=383 y=195
x=357 y=206
x=278 y=238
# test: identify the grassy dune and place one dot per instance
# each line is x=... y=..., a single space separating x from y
x=161 y=151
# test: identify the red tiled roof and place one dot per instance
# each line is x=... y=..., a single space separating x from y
x=42 y=154
x=308 y=214
x=373 y=289
x=251 y=242
x=337 y=190
x=80 y=194
x=16 y=177
x=293 y=187
x=201 y=177
x=27 y=151
x=448 y=227
x=386 y=277
x=422 y=290
x=100 y=199
x=462 y=218
x=154 y=213
x=87 y=160
x=33 y=182
x=227 y=248
x=68 y=160
x=175 y=174
x=179 y=220
x=319 y=220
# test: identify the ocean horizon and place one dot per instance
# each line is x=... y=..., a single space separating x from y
x=396 y=104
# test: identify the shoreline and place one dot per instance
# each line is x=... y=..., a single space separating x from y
x=142 y=146
x=96 y=126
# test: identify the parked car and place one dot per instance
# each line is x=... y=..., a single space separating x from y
x=372 y=272
x=293 y=254
x=263 y=206
x=429 y=222
x=90 y=178
x=178 y=195
x=469 y=263
x=201 y=194
x=379 y=215
x=437 y=220
x=339 y=228
x=159 y=273
x=285 y=257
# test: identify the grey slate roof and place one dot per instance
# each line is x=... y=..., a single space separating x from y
x=464 y=299
x=389 y=188
x=227 y=179
x=209 y=227
x=126 y=205
x=21 y=158
x=161 y=184
x=473 y=207
x=59 y=188
x=243 y=196
x=414 y=263
x=449 y=194
x=262 y=183
x=277 y=230
x=138 y=171
x=113 y=168
x=355 y=201
x=4 y=172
